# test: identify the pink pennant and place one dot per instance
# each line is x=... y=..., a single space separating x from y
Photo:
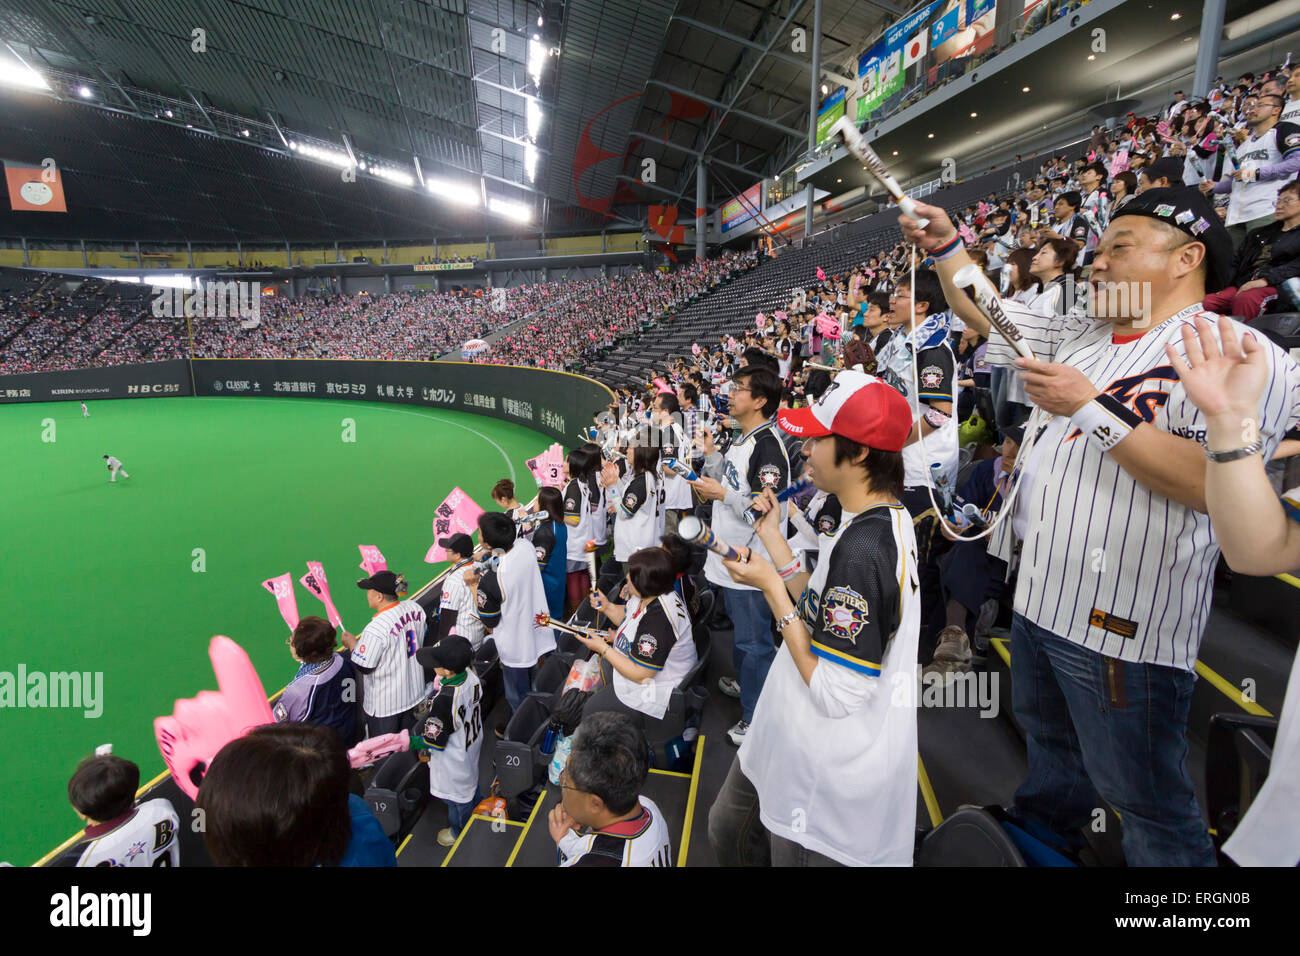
x=966 y=232
x=316 y=582
x=372 y=559
x=282 y=588
x=458 y=514
x=821 y=274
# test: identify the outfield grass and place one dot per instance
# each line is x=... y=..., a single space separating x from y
x=101 y=577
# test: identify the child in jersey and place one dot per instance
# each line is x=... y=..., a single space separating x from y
x=102 y=792
x=453 y=732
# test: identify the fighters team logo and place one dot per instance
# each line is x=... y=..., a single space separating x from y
x=646 y=645
x=826 y=524
x=844 y=611
x=432 y=729
x=931 y=376
x=769 y=476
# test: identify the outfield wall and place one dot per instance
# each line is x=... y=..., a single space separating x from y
x=556 y=404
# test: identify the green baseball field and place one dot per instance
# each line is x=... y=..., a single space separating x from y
x=130 y=580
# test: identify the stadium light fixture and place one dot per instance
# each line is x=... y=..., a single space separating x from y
x=1176 y=16
x=929 y=136
x=331 y=156
x=458 y=193
x=533 y=110
x=536 y=59
x=530 y=162
x=399 y=176
x=84 y=92
x=1024 y=89
x=511 y=210
x=17 y=73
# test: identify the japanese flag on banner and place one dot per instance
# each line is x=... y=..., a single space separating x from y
x=315 y=582
x=372 y=559
x=458 y=514
x=915 y=48
x=282 y=588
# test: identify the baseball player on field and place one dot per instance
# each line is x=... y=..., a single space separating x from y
x=1118 y=554
x=85 y=412
x=392 y=680
x=114 y=466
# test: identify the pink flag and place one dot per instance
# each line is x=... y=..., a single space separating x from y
x=282 y=588
x=966 y=232
x=371 y=559
x=827 y=326
x=821 y=274
x=1119 y=163
x=315 y=582
x=458 y=514
x=1092 y=155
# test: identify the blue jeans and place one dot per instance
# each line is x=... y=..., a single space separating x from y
x=752 y=648
x=1098 y=728
x=458 y=814
x=518 y=682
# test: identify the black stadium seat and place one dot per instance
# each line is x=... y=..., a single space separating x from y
x=970 y=837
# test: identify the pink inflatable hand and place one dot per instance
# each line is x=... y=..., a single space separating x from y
x=200 y=726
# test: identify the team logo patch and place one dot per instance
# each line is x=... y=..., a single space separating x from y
x=844 y=611
x=769 y=476
x=432 y=728
x=280 y=711
x=1199 y=227
x=1293 y=139
x=482 y=599
x=826 y=524
x=931 y=376
x=646 y=645
x=361 y=650
x=136 y=850
x=630 y=502
x=1184 y=217
x=1164 y=209
x=541 y=554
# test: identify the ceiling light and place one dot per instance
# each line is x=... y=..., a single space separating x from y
x=973 y=115
x=1176 y=16
x=84 y=92
x=293 y=145
x=927 y=136
x=839 y=180
x=536 y=59
x=825 y=89
x=458 y=193
x=539 y=19
x=895 y=152
x=511 y=210
x=533 y=110
x=1024 y=89
x=243 y=132
x=530 y=162
x=13 y=73
x=1092 y=56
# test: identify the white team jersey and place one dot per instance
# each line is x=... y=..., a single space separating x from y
x=640 y=512
x=1106 y=562
x=388 y=644
x=1096 y=209
x=641 y=841
x=1290 y=113
x=577 y=503
x=1255 y=200
x=454 y=731
x=834 y=761
x=114 y=463
x=147 y=837
x=456 y=596
x=656 y=634
x=754 y=462
x=509 y=599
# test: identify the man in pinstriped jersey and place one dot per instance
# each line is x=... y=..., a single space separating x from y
x=392 y=680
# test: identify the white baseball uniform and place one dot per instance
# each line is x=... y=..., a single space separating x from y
x=458 y=599
x=640 y=841
x=85 y=412
x=394 y=681
x=833 y=760
x=144 y=837
x=454 y=732
x=1106 y=562
x=114 y=466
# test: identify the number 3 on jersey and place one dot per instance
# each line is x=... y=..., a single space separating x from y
x=411 y=646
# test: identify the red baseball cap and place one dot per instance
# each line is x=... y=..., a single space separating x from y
x=858 y=406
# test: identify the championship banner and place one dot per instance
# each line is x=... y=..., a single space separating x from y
x=282 y=588
x=34 y=188
x=458 y=514
x=315 y=582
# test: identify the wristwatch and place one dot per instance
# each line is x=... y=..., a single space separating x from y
x=1254 y=448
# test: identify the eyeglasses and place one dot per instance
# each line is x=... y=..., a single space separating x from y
x=564 y=775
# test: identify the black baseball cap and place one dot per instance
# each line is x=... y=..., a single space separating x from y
x=1167 y=167
x=462 y=544
x=1190 y=212
x=454 y=652
x=385 y=582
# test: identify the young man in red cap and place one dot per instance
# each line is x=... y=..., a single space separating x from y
x=827 y=773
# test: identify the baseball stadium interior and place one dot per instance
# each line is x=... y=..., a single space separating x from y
x=507 y=240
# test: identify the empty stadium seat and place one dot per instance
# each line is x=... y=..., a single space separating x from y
x=520 y=763
x=1238 y=753
x=970 y=837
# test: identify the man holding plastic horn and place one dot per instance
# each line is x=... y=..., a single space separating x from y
x=827 y=773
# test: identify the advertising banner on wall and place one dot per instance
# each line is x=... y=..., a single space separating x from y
x=958 y=27
x=151 y=380
x=740 y=209
x=832 y=109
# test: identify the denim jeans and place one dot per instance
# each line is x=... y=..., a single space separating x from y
x=458 y=814
x=518 y=682
x=1098 y=728
x=738 y=836
x=752 y=646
